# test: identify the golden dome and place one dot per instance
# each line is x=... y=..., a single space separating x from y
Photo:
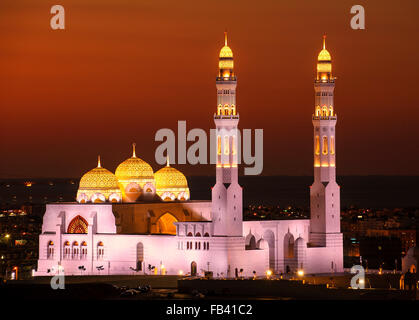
x=134 y=168
x=324 y=55
x=226 y=51
x=170 y=178
x=99 y=179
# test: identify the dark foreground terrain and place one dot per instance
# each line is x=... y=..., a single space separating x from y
x=378 y=287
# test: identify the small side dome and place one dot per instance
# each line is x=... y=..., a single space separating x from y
x=97 y=185
x=226 y=52
x=324 y=55
x=171 y=184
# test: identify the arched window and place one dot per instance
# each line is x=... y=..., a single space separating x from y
x=219 y=110
x=83 y=250
x=233 y=145
x=324 y=111
x=140 y=256
x=77 y=225
x=324 y=145
x=206 y=234
x=66 y=250
x=332 y=145
x=226 y=111
x=190 y=234
x=317 y=147
x=100 y=251
x=207 y=245
x=289 y=246
x=318 y=111
x=50 y=250
x=331 y=111
x=226 y=145
x=75 y=249
x=197 y=234
x=233 y=109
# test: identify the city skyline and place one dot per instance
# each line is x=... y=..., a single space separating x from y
x=96 y=88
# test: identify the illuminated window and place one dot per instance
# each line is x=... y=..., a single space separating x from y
x=66 y=250
x=331 y=111
x=83 y=250
x=226 y=111
x=325 y=113
x=318 y=111
x=219 y=110
x=100 y=251
x=226 y=145
x=219 y=145
x=50 y=250
x=332 y=145
x=233 y=109
x=317 y=148
x=324 y=145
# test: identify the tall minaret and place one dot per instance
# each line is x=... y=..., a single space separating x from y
x=325 y=192
x=227 y=208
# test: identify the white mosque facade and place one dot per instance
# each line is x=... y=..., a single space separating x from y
x=137 y=221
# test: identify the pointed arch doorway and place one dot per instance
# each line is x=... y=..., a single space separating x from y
x=194 y=268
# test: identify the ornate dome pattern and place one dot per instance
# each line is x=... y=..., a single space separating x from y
x=324 y=55
x=134 y=168
x=171 y=184
x=168 y=178
x=98 y=181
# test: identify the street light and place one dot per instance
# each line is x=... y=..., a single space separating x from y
x=268 y=273
x=300 y=273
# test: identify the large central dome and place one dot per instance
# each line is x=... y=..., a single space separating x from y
x=136 y=178
x=134 y=168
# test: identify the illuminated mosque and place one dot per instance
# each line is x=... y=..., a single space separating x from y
x=144 y=222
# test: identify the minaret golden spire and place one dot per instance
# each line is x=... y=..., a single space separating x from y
x=225 y=38
x=133 y=150
x=324 y=42
x=98 y=161
x=167 y=161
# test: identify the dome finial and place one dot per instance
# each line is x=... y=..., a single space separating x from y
x=167 y=161
x=133 y=150
x=225 y=37
x=98 y=162
x=324 y=41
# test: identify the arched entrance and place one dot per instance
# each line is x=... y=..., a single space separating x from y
x=140 y=256
x=165 y=224
x=194 y=268
x=77 y=225
x=269 y=237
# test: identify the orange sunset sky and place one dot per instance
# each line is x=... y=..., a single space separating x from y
x=122 y=69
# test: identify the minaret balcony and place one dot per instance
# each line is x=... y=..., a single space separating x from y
x=216 y=116
x=226 y=78
x=324 y=118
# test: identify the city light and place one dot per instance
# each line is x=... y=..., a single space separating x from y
x=180 y=272
x=300 y=273
x=268 y=273
x=7 y=236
